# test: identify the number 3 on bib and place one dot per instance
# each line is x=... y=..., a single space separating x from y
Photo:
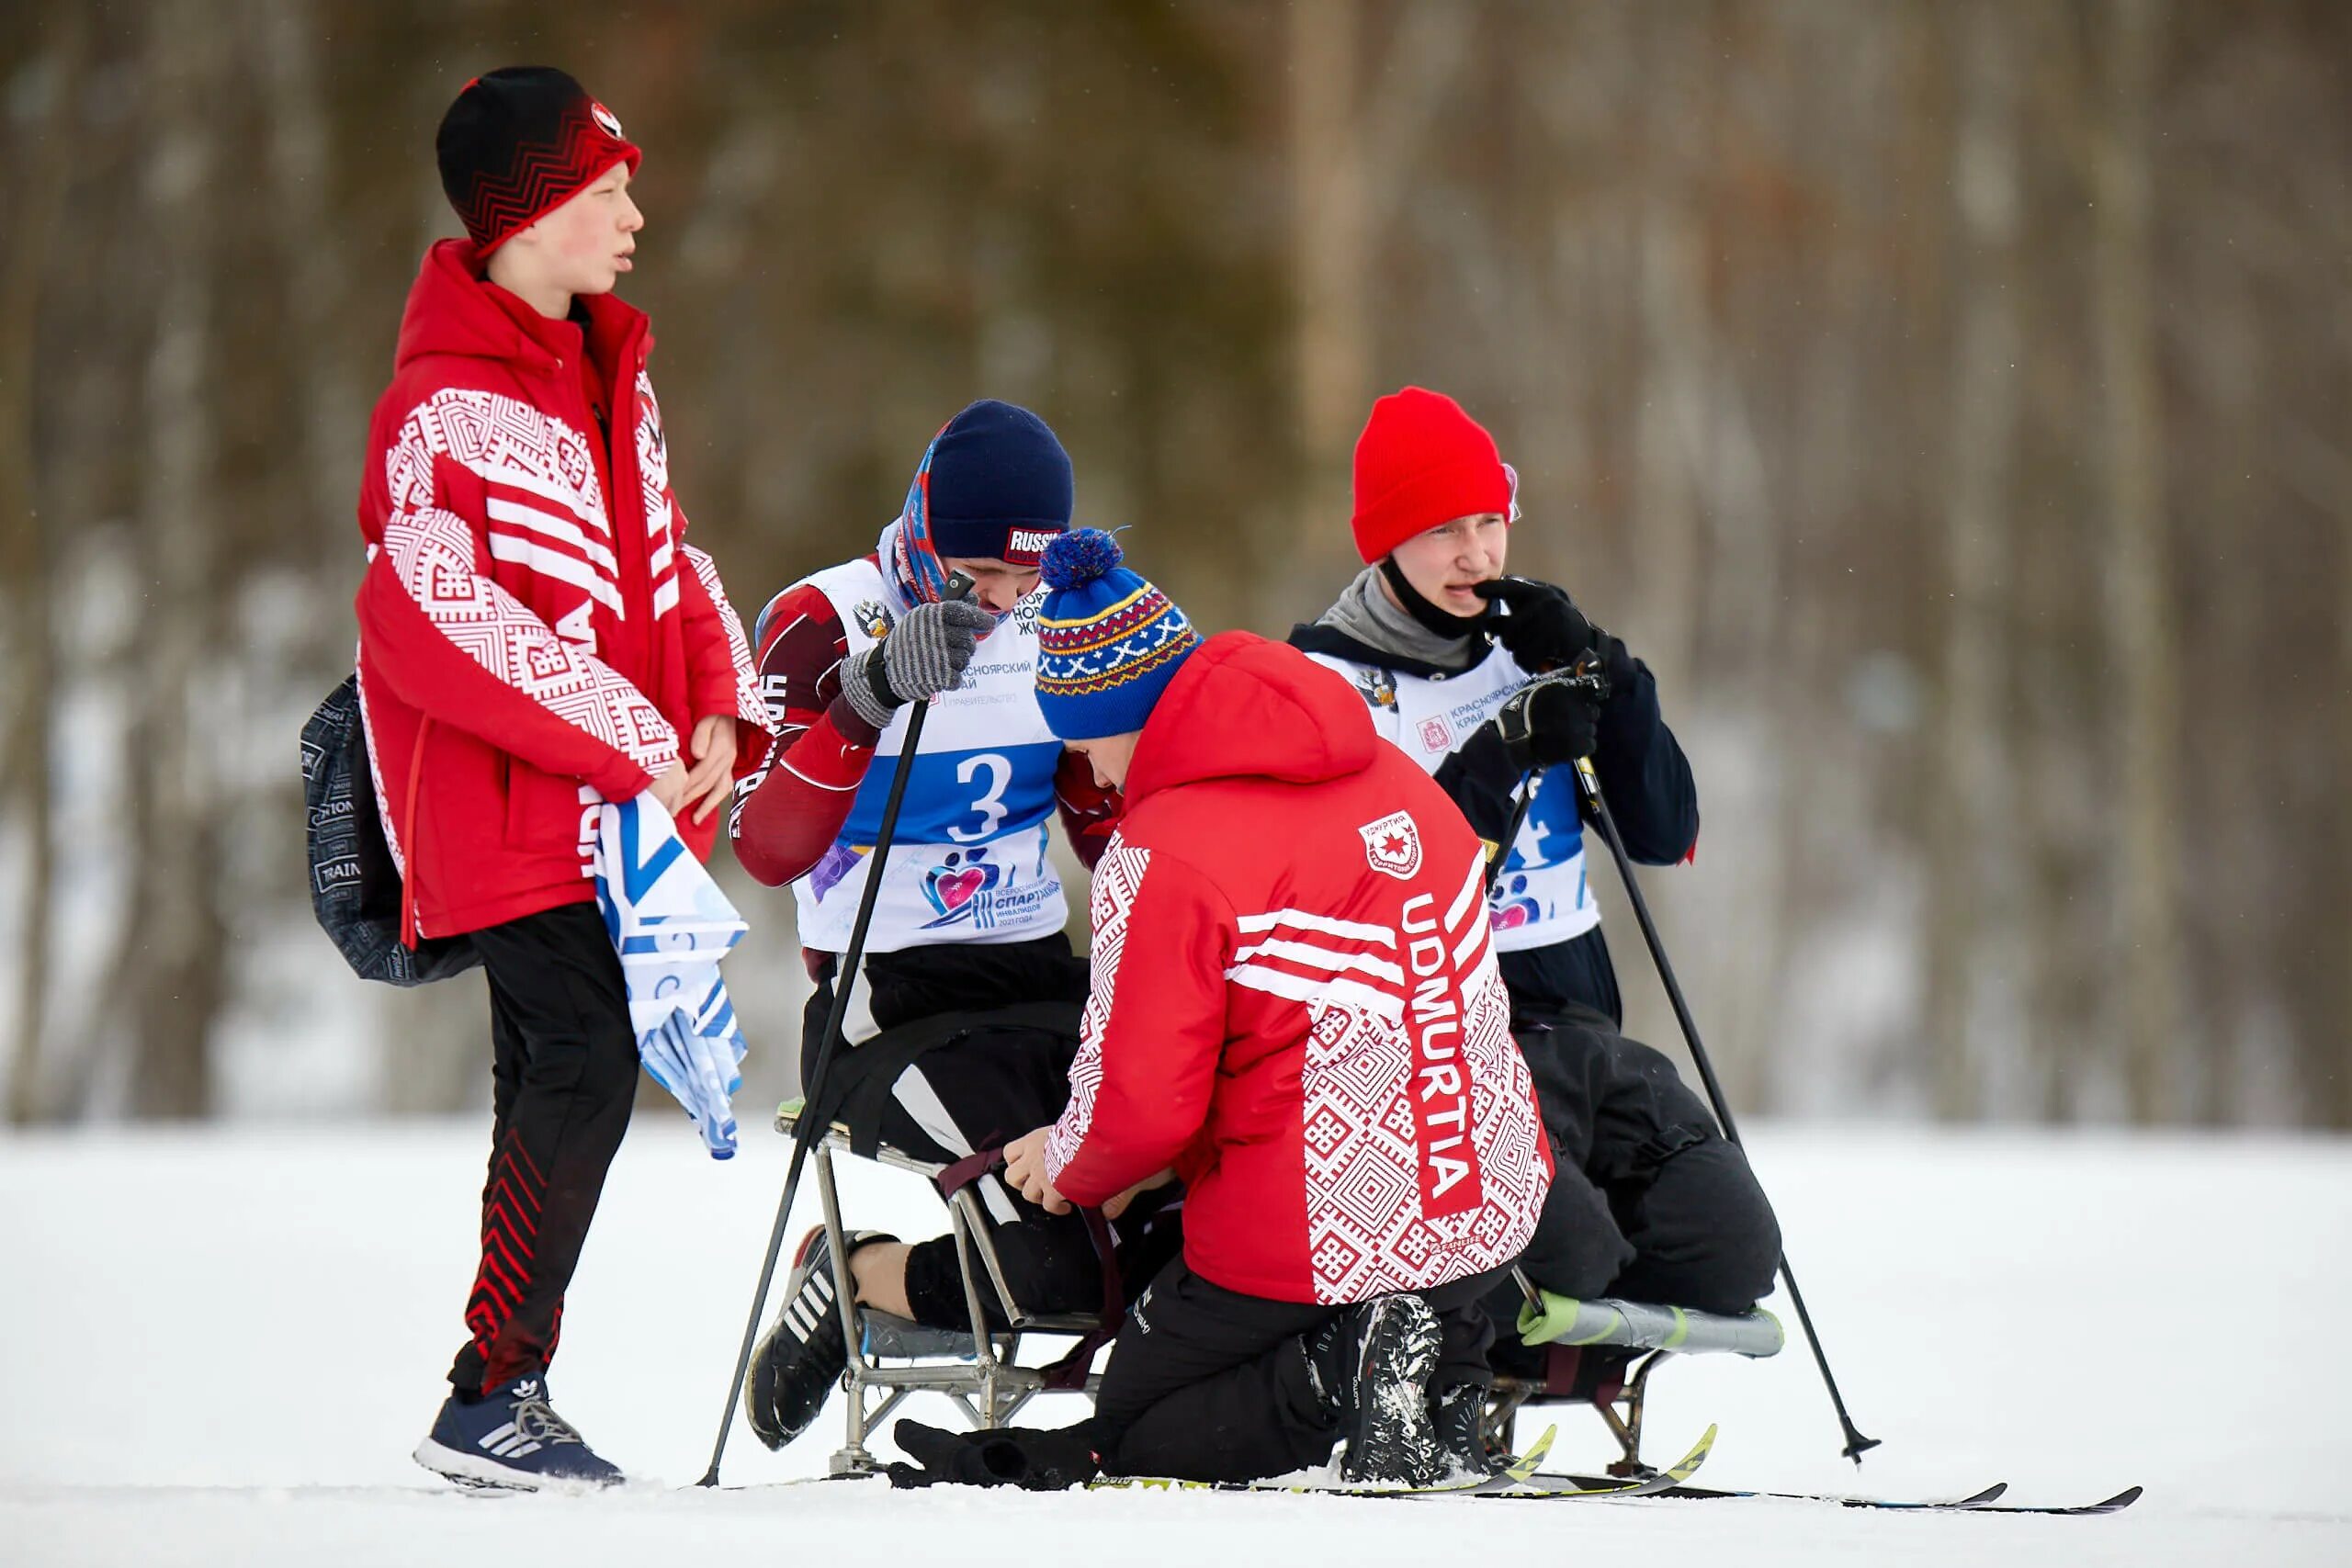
x=990 y=804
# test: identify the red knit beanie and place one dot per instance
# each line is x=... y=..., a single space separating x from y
x=1420 y=462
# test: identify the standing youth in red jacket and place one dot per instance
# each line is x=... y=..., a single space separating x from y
x=535 y=637
x=1295 y=1007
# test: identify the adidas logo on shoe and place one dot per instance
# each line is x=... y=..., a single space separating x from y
x=512 y=1439
x=812 y=1305
x=509 y=1441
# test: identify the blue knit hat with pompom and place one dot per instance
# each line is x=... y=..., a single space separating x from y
x=1108 y=642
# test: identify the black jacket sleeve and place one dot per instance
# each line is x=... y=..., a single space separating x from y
x=1645 y=775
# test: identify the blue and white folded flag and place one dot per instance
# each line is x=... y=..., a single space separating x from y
x=672 y=925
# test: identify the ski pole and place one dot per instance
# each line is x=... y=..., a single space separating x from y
x=1534 y=782
x=804 y=1130
x=1588 y=784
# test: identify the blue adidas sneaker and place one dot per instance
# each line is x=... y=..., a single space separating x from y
x=513 y=1439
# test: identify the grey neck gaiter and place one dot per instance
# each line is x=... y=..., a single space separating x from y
x=1367 y=615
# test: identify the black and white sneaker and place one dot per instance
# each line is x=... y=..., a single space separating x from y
x=1375 y=1361
x=804 y=1355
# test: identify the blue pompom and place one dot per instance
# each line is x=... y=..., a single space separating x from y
x=1077 y=557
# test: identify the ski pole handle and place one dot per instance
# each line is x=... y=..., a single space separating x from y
x=1587 y=676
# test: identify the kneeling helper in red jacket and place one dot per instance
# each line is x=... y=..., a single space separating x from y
x=1295 y=1008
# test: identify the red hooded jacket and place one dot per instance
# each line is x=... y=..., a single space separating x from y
x=535 y=634
x=1295 y=1001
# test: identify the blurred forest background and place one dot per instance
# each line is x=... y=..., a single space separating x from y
x=1952 y=401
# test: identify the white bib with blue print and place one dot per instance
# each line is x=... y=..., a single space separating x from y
x=1542 y=896
x=968 y=861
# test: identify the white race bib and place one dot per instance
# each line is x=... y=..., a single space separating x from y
x=969 y=860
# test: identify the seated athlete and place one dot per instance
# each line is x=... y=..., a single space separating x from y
x=1651 y=1201
x=1294 y=1005
x=970 y=914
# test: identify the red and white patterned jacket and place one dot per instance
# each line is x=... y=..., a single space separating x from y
x=1295 y=1001
x=527 y=648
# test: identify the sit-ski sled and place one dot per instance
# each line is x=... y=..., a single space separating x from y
x=981 y=1371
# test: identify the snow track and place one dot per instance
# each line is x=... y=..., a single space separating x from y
x=218 y=1346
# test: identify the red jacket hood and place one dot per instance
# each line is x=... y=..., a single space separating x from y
x=1245 y=707
x=454 y=310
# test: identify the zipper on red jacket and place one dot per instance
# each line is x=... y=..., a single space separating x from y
x=624 y=501
x=412 y=927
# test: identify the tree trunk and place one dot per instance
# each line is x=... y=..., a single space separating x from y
x=172 y=981
x=1330 y=215
x=1670 y=300
x=2138 y=602
x=1969 y=825
x=317 y=278
x=27 y=565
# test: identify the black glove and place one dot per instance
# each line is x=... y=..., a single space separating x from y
x=1616 y=661
x=1032 y=1460
x=1544 y=629
x=1547 y=723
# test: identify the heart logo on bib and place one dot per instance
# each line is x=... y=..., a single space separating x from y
x=957 y=888
x=953 y=890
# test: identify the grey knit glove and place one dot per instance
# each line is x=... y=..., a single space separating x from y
x=924 y=655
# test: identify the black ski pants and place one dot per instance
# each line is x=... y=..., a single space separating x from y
x=978 y=1092
x=1649 y=1201
x=1205 y=1384
x=563 y=1070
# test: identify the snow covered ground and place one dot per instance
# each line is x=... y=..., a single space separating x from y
x=218 y=1346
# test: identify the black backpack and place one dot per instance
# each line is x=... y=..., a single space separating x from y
x=354 y=887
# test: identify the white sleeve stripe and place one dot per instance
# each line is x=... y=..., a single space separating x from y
x=1469 y=894
x=1469 y=946
x=816 y=784
x=1312 y=993
x=553 y=563
x=513 y=478
x=432 y=556
x=1251 y=924
x=562 y=528
x=1322 y=958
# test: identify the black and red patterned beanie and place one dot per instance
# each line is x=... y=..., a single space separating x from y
x=520 y=142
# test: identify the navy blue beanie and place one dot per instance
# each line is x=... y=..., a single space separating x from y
x=995 y=484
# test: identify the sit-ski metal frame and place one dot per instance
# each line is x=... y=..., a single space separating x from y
x=1651 y=1334
x=992 y=1386
x=1622 y=1414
